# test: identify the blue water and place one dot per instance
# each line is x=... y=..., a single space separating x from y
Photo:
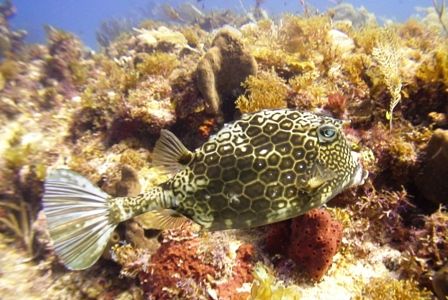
x=83 y=17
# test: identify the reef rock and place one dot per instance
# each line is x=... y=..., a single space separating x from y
x=341 y=42
x=161 y=35
x=222 y=70
x=431 y=180
x=440 y=282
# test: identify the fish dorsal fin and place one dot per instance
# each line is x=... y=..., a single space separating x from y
x=170 y=153
x=162 y=219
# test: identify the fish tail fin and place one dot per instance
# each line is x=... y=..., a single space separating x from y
x=78 y=218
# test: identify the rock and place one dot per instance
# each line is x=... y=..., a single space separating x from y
x=431 y=180
x=341 y=42
x=129 y=184
x=222 y=70
x=440 y=283
x=161 y=35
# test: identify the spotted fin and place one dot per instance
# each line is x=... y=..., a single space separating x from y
x=161 y=219
x=78 y=218
x=170 y=153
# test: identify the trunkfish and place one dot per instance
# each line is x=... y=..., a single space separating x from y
x=266 y=167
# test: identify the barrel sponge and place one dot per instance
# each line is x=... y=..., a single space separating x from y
x=222 y=70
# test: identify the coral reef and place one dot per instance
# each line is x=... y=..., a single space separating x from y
x=100 y=114
x=357 y=17
x=185 y=267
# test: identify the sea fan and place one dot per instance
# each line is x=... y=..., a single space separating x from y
x=386 y=56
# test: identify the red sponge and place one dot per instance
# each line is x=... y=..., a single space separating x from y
x=310 y=240
x=315 y=239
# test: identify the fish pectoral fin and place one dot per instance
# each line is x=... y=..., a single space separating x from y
x=162 y=219
x=170 y=153
x=319 y=176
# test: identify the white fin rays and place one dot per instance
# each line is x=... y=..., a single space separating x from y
x=78 y=218
x=170 y=153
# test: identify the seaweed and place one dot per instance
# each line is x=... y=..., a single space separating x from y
x=434 y=70
x=19 y=218
x=158 y=63
x=266 y=90
x=391 y=288
x=266 y=286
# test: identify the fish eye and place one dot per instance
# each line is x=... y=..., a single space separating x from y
x=326 y=133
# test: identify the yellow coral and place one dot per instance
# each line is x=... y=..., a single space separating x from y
x=264 y=287
x=266 y=91
x=393 y=289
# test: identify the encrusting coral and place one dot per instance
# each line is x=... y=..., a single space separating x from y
x=100 y=114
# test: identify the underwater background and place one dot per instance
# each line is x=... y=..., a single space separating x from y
x=90 y=85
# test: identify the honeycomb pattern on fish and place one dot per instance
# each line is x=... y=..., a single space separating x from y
x=260 y=169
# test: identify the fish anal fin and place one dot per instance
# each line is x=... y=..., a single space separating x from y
x=162 y=219
x=170 y=153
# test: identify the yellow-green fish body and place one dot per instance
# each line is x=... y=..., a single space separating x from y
x=264 y=168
